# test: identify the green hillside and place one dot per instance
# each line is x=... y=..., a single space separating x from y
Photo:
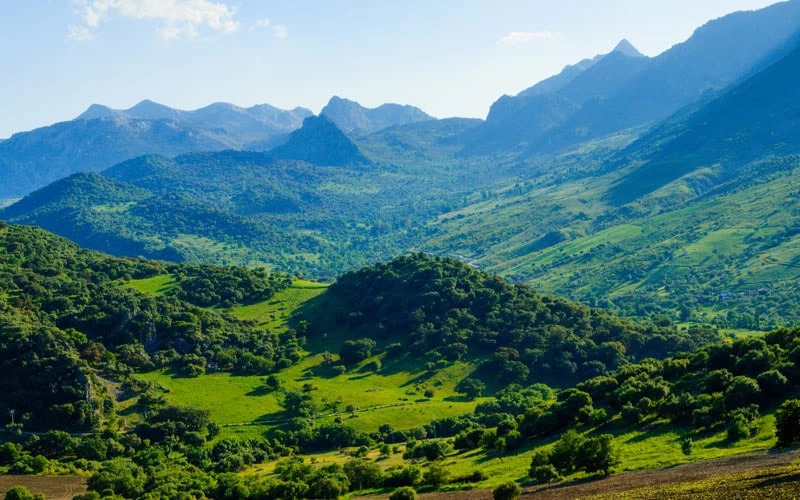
x=227 y=368
x=694 y=221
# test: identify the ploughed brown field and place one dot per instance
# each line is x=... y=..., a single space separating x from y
x=757 y=476
x=53 y=487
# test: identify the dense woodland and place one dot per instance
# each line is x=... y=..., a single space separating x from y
x=64 y=312
x=443 y=305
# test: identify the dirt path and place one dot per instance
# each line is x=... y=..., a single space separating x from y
x=696 y=471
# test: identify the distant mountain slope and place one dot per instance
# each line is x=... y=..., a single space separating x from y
x=247 y=207
x=514 y=121
x=697 y=219
x=102 y=137
x=30 y=160
x=756 y=118
x=320 y=142
x=350 y=116
x=623 y=89
x=715 y=56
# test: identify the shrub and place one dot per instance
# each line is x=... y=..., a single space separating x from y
x=544 y=474
x=507 y=491
x=403 y=493
x=18 y=492
x=436 y=475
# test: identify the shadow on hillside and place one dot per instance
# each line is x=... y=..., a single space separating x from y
x=260 y=391
x=458 y=399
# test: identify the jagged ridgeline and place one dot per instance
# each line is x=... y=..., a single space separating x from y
x=442 y=305
x=66 y=319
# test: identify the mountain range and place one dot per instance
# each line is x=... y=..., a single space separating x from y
x=101 y=136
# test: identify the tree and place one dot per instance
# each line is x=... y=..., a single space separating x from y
x=544 y=474
x=363 y=474
x=328 y=487
x=355 y=351
x=403 y=476
x=55 y=443
x=193 y=365
x=471 y=387
x=299 y=404
x=742 y=392
x=122 y=476
x=507 y=491
x=436 y=475
x=404 y=493
x=686 y=446
x=273 y=382
x=565 y=453
x=597 y=454
x=772 y=382
x=787 y=423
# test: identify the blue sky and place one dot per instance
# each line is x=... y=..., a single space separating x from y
x=451 y=58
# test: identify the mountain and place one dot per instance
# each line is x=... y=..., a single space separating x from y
x=755 y=119
x=715 y=56
x=624 y=89
x=571 y=72
x=244 y=124
x=350 y=116
x=514 y=121
x=102 y=137
x=320 y=142
x=696 y=219
x=90 y=316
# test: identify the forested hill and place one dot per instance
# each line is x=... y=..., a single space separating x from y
x=442 y=305
x=64 y=317
x=66 y=312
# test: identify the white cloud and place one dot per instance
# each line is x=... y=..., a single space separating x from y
x=78 y=33
x=280 y=31
x=263 y=22
x=518 y=37
x=179 y=18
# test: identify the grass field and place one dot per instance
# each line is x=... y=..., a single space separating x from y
x=394 y=394
x=387 y=396
x=274 y=313
x=157 y=285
